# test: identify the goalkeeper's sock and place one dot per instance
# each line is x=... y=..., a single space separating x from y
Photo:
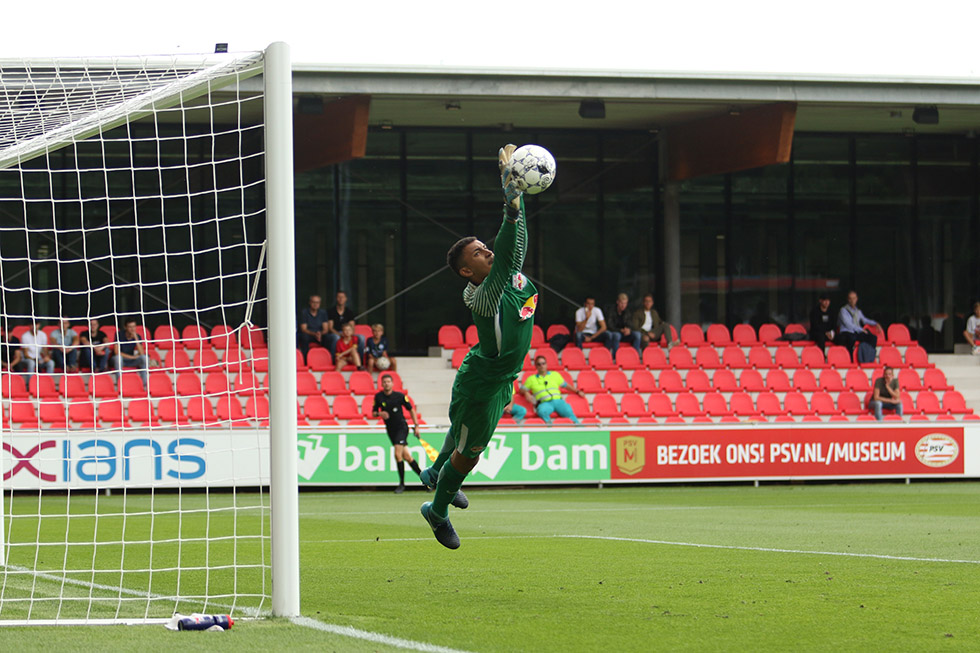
x=415 y=467
x=401 y=472
x=450 y=480
x=448 y=446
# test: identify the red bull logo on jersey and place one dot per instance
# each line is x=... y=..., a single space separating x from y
x=518 y=281
x=527 y=310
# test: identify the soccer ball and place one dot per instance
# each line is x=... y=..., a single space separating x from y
x=382 y=362
x=533 y=169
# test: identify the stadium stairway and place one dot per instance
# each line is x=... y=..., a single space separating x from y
x=963 y=372
x=429 y=381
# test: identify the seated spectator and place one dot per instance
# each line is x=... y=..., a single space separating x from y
x=376 y=349
x=972 y=333
x=129 y=351
x=340 y=315
x=347 y=349
x=621 y=324
x=850 y=325
x=515 y=410
x=35 y=351
x=64 y=347
x=590 y=325
x=649 y=324
x=314 y=325
x=543 y=390
x=821 y=322
x=94 y=351
x=886 y=394
x=11 y=359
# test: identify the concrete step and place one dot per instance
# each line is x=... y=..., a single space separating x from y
x=963 y=372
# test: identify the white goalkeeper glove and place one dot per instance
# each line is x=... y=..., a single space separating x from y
x=511 y=194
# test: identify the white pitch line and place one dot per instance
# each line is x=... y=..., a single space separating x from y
x=376 y=638
x=696 y=545
x=509 y=511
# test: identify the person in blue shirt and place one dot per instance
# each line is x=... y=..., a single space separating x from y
x=850 y=325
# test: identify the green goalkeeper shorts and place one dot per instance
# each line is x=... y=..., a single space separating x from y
x=474 y=420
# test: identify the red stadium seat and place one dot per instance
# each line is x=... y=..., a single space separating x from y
x=361 y=383
x=687 y=405
x=916 y=356
x=724 y=381
x=741 y=405
x=537 y=337
x=42 y=386
x=319 y=360
x=572 y=358
x=615 y=382
x=760 y=358
x=112 y=414
x=804 y=381
x=22 y=414
x=777 y=381
x=786 y=358
x=681 y=359
x=654 y=358
x=812 y=357
x=718 y=335
x=140 y=411
x=908 y=406
x=102 y=387
x=670 y=381
x=131 y=385
x=579 y=406
x=767 y=404
x=194 y=336
x=73 y=387
x=770 y=334
x=659 y=405
x=627 y=358
x=934 y=379
x=472 y=335
x=908 y=380
x=556 y=329
x=632 y=405
x=830 y=380
x=367 y=408
x=798 y=329
x=223 y=337
x=200 y=410
x=839 y=358
x=891 y=357
x=691 y=335
x=253 y=337
x=171 y=411
x=600 y=358
x=450 y=337
x=744 y=335
x=306 y=385
x=733 y=358
x=642 y=381
x=898 y=334
x=217 y=383
x=796 y=404
x=697 y=381
x=260 y=358
x=458 y=356
x=927 y=403
x=345 y=407
x=849 y=403
x=82 y=414
x=707 y=358
x=228 y=408
x=177 y=359
x=53 y=414
x=856 y=380
x=257 y=408
x=317 y=409
x=166 y=337
x=588 y=382
x=751 y=381
x=188 y=384
x=954 y=404
x=822 y=404
x=604 y=406
x=714 y=405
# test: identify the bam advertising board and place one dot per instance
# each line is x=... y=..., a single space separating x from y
x=785 y=453
x=79 y=460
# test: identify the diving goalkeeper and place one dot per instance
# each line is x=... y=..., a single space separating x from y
x=503 y=301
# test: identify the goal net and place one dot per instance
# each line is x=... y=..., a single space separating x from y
x=134 y=202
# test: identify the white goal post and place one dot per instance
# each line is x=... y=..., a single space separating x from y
x=149 y=459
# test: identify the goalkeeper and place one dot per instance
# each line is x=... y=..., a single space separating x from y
x=503 y=301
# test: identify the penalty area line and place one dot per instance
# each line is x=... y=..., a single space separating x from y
x=375 y=638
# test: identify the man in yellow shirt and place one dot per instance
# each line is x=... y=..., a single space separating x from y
x=543 y=390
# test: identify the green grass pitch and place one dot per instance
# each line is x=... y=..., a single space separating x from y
x=724 y=568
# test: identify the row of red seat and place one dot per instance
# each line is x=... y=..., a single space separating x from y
x=707 y=357
x=165 y=336
x=749 y=380
x=186 y=384
x=766 y=405
x=451 y=336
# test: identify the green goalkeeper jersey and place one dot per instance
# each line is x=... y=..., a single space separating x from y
x=503 y=308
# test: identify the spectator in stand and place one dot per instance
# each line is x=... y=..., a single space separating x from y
x=590 y=325
x=850 y=325
x=543 y=390
x=314 y=326
x=64 y=347
x=376 y=349
x=972 y=333
x=347 y=349
x=340 y=315
x=95 y=351
x=649 y=324
x=11 y=359
x=821 y=322
x=886 y=394
x=130 y=352
x=35 y=352
x=515 y=410
x=621 y=324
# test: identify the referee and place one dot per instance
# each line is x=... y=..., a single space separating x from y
x=391 y=406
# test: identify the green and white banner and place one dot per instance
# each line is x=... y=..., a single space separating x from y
x=546 y=456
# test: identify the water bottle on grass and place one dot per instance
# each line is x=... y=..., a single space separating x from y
x=205 y=621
